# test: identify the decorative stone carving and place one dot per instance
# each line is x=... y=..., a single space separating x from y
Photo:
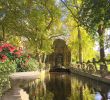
x=17 y=79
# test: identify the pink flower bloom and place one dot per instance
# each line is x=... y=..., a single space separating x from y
x=26 y=61
x=1 y=49
x=4 y=57
x=6 y=45
x=28 y=56
x=12 y=49
x=20 y=48
x=17 y=53
x=3 y=60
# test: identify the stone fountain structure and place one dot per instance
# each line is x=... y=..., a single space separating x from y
x=17 y=79
x=61 y=55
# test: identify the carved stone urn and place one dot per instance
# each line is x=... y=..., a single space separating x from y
x=17 y=79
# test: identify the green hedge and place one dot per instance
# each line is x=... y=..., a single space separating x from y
x=5 y=69
x=32 y=65
x=8 y=67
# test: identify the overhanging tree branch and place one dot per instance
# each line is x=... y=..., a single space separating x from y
x=55 y=36
x=75 y=18
x=51 y=21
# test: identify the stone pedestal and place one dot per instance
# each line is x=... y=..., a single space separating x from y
x=17 y=79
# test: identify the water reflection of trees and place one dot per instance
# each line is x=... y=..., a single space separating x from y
x=54 y=87
x=89 y=88
x=80 y=91
x=37 y=91
x=59 y=85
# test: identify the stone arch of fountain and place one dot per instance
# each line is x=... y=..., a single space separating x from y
x=61 y=55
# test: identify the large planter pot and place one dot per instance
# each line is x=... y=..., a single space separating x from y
x=16 y=79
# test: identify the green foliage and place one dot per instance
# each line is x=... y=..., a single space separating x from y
x=4 y=83
x=9 y=53
x=93 y=12
x=95 y=17
x=80 y=91
x=34 y=20
x=86 y=40
x=32 y=65
x=87 y=94
x=7 y=67
x=5 y=70
x=80 y=42
x=15 y=40
x=40 y=21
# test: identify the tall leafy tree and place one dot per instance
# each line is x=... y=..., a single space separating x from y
x=94 y=15
x=73 y=7
x=86 y=41
x=32 y=19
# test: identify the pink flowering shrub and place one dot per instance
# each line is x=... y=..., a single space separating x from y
x=11 y=53
x=8 y=51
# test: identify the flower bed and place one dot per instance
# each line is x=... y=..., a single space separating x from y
x=12 y=58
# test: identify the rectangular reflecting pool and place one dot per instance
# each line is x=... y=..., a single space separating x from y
x=62 y=86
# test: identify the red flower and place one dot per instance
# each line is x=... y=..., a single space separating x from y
x=4 y=57
x=6 y=45
x=17 y=53
x=20 y=48
x=2 y=60
x=1 y=49
x=12 y=49
x=26 y=61
x=28 y=56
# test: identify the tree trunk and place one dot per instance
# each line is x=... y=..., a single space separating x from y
x=44 y=57
x=40 y=60
x=80 y=45
x=101 y=42
x=103 y=66
x=3 y=33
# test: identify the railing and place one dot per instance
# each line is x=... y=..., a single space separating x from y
x=92 y=67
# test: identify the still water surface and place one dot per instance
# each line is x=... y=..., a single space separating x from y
x=61 y=86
